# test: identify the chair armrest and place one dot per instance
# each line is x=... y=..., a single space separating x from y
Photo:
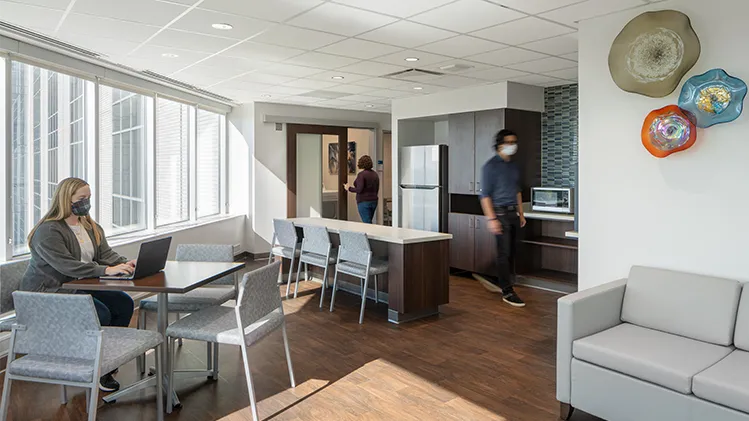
x=583 y=314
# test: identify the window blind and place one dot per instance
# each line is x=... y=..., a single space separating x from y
x=172 y=161
x=208 y=163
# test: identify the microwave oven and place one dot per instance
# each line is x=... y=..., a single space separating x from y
x=551 y=199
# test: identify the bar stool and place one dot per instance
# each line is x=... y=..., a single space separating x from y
x=355 y=259
x=288 y=246
x=318 y=251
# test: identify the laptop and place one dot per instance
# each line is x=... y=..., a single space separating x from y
x=151 y=260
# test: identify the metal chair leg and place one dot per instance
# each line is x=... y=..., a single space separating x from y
x=306 y=272
x=298 y=271
x=377 y=291
x=6 y=398
x=324 y=285
x=250 y=387
x=141 y=361
x=215 y=361
x=288 y=355
x=93 y=401
x=179 y=316
x=209 y=356
x=171 y=356
x=335 y=286
x=160 y=382
x=363 y=301
x=63 y=395
x=291 y=271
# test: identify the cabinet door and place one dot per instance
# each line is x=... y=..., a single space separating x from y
x=461 y=151
x=461 y=226
x=527 y=125
x=485 y=244
x=487 y=123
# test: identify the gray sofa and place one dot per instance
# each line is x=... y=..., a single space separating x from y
x=658 y=346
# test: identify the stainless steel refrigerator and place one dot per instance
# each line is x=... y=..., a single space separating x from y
x=423 y=187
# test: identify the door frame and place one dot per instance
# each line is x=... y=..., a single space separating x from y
x=292 y=130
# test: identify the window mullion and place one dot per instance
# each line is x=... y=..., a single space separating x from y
x=150 y=195
x=193 y=165
x=6 y=154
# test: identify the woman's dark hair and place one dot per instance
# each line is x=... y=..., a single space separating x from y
x=365 y=163
x=501 y=135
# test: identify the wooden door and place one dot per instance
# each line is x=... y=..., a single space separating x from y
x=461 y=226
x=488 y=123
x=461 y=152
x=485 y=248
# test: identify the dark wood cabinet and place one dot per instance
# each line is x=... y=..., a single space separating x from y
x=527 y=125
x=462 y=227
x=485 y=244
x=487 y=124
x=461 y=152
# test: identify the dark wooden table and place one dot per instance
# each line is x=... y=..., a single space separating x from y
x=177 y=278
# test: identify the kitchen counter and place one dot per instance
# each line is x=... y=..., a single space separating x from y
x=392 y=235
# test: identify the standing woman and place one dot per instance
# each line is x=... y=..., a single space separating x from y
x=67 y=244
x=366 y=186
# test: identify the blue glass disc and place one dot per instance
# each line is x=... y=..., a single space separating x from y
x=713 y=97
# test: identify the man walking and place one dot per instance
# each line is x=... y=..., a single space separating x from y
x=502 y=203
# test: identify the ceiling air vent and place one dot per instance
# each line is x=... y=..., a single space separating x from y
x=413 y=74
x=47 y=40
x=185 y=85
x=455 y=68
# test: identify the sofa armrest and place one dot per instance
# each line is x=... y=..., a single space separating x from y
x=583 y=314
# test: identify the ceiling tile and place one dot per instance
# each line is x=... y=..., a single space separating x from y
x=340 y=19
x=571 y=56
x=497 y=74
x=189 y=41
x=569 y=74
x=371 y=68
x=200 y=21
x=322 y=61
x=544 y=65
x=270 y=79
x=156 y=53
x=360 y=98
x=162 y=67
x=389 y=93
x=285 y=90
x=241 y=64
x=108 y=28
x=347 y=77
x=407 y=34
x=400 y=8
x=534 y=7
x=335 y=103
x=556 y=46
x=350 y=89
x=28 y=16
x=467 y=16
x=522 y=31
x=537 y=80
x=47 y=4
x=185 y=2
x=424 y=88
x=380 y=82
x=274 y=10
x=447 y=67
x=425 y=59
x=102 y=45
x=461 y=46
x=359 y=48
x=506 y=56
x=291 y=70
x=302 y=99
x=456 y=81
x=147 y=12
x=570 y=15
x=239 y=85
x=206 y=72
x=310 y=84
x=289 y=36
x=253 y=51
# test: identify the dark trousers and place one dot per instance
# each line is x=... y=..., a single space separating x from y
x=367 y=211
x=507 y=246
x=114 y=308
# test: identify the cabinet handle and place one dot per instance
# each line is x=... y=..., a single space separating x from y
x=470 y=186
x=477 y=223
x=470 y=222
x=478 y=187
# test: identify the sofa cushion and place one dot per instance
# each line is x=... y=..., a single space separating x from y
x=657 y=357
x=696 y=306
x=741 y=338
x=726 y=383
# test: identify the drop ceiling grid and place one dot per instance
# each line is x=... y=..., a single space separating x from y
x=174 y=25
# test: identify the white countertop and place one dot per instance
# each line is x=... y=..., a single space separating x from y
x=547 y=216
x=375 y=232
x=572 y=234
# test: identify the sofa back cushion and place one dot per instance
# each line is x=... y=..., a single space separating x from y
x=741 y=338
x=695 y=306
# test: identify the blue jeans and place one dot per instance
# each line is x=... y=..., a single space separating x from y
x=367 y=211
x=114 y=308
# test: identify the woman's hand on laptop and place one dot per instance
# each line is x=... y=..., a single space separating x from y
x=123 y=269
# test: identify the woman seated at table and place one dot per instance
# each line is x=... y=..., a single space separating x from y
x=67 y=244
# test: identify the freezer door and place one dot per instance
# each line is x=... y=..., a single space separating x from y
x=412 y=166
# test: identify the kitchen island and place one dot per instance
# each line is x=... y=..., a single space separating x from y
x=419 y=273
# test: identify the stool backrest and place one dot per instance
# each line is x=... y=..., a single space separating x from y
x=285 y=233
x=56 y=325
x=316 y=240
x=259 y=294
x=354 y=247
x=208 y=253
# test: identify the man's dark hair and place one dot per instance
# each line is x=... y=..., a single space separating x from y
x=499 y=139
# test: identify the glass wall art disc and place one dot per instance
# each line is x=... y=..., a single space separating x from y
x=653 y=52
x=668 y=130
x=712 y=98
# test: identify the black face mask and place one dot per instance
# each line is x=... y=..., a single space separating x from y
x=81 y=207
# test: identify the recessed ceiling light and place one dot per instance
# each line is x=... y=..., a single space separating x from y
x=418 y=88
x=222 y=26
x=369 y=106
x=265 y=96
x=412 y=59
x=338 y=78
x=170 y=55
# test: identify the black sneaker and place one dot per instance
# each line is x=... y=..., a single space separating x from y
x=107 y=383
x=512 y=299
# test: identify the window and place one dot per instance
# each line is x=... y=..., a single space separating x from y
x=173 y=124
x=40 y=139
x=208 y=157
x=123 y=124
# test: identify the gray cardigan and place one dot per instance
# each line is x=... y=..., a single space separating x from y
x=56 y=258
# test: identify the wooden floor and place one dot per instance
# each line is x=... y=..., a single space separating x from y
x=479 y=360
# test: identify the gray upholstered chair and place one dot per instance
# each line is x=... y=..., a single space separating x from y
x=11 y=274
x=62 y=343
x=286 y=245
x=316 y=250
x=355 y=259
x=259 y=311
x=216 y=293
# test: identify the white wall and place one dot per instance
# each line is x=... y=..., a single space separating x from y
x=683 y=212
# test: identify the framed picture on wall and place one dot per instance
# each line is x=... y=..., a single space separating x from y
x=334 y=158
